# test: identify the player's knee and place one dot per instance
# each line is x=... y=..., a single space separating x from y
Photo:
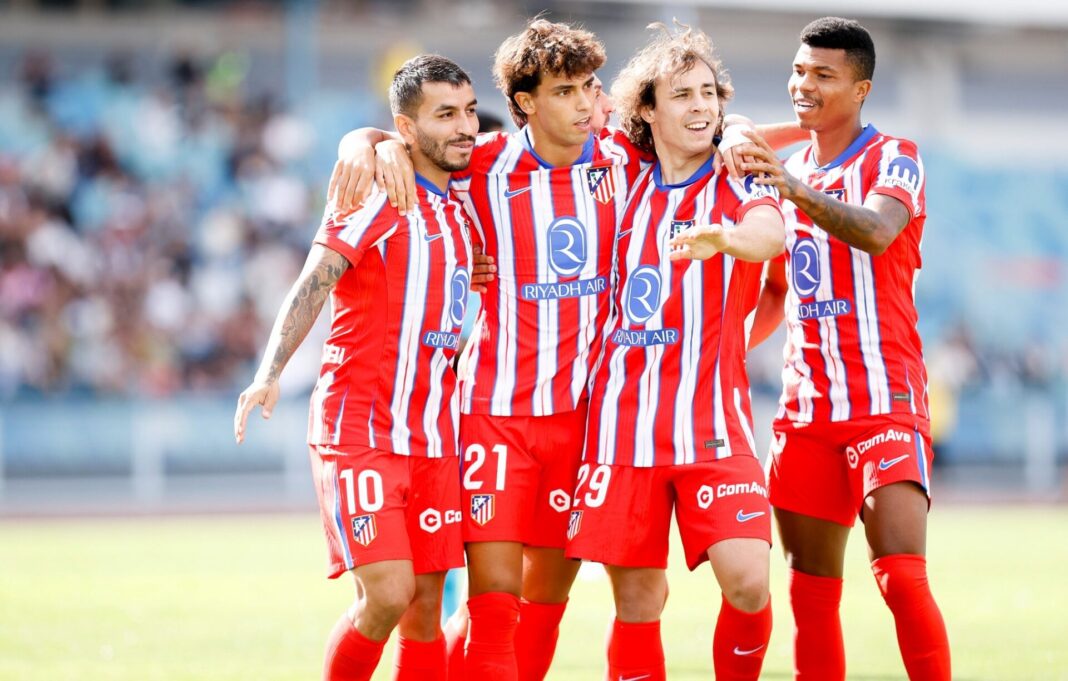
x=640 y=600
x=746 y=591
x=388 y=599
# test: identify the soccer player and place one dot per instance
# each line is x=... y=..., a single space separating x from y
x=852 y=436
x=669 y=417
x=546 y=201
x=383 y=425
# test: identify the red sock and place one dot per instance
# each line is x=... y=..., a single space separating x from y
x=420 y=660
x=740 y=643
x=535 y=639
x=455 y=642
x=921 y=633
x=491 y=648
x=635 y=650
x=819 y=654
x=350 y=656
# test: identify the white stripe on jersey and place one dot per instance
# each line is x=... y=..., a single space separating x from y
x=747 y=427
x=718 y=399
x=357 y=223
x=587 y=330
x=508 y=295
x=541 y=201
x=410 y=326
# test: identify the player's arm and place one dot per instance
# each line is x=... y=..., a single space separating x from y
x=366 y=156
x=298 y=313
x=770 y=308
x=871 y=227
x=758 y=236
x=777 y=135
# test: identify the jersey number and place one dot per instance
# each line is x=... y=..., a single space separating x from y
x=368 y=488
x=602 y=475
x=475 y=457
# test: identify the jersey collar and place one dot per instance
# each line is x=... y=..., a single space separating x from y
x=428 y=185
x=528 y=144
x=859 y=143
x=705 y=169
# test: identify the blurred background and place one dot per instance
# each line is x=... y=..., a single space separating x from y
x=163 y=166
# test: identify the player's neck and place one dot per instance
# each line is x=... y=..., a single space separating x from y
x=677 y=166
x=828 y=143
x=556 y=155
x=432 y=173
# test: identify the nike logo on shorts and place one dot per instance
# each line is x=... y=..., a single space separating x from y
x=512 y=193
x=885 y=465
x=738 y=651
x=746 y=517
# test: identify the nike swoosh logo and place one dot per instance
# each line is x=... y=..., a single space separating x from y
x=884 y=464
x=511 y=194
x=432 y=237
x=737 y=651
x=746 y=517
x=634 y=678
x=620 y=235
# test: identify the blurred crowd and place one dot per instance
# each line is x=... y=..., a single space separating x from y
x=148 y=230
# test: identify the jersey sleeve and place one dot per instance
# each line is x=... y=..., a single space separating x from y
x=900 y=174
x=750 y=195
x=487 y=146
x=353 y=234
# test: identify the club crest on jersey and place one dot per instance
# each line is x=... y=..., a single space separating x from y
x=482 y=508
x=679 y=226
x=902 y=172
x=574 y=523
x=805 y=267
x=838 y=194
x=364 y=528
x=567 y=246
x=602 y=184
x=641 y=295
x=459 y=287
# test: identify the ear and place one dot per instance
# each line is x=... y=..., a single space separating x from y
x=405 y=125
x=862 y=90
x=525 y=101
x=648 y=114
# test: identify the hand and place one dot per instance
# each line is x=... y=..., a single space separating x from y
x=729 y=149
x=699 y=242
x=482 y=269
x=351 y=181
x=265 y=394
x=766 y=167
x=395 y=174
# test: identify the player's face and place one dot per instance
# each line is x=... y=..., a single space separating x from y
x=445 y=126
x=687 y=112
x=561 y=109
x=824 y=89
x=602 y=106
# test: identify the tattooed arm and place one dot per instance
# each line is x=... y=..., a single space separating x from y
x=871 y=227
x=298 y=313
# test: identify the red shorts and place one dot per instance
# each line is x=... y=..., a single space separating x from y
x=377 y=506
x=518 y=473
x=622 y=514
x=826 y=470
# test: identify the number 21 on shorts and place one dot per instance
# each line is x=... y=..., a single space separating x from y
x=475 y=459
x=598 y=484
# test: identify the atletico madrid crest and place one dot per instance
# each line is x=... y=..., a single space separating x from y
x=602 y=183
x=573 y=524
x=482 y=508
x=364 y=529
x=678 y=226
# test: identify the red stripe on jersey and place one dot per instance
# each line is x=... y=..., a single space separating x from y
x=852 y=345
x=671 y=387
x=551 y=235
x=386 y=380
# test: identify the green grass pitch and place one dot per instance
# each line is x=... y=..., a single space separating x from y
x=243 y=597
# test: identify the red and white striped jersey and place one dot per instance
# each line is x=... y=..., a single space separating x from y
x=386 y=380
x=551 y=232
x=852 y=347
x=671 y=387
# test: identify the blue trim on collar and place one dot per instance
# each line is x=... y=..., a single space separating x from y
x=859 y=143
x=528 y=144
x=705 y=169
x=429 y=186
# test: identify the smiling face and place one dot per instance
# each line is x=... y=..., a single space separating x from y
x=686 y=113
x=560 y=109
x=824 y=88
x=442 y=133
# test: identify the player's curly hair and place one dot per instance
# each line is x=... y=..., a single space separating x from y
x=543 y=47
x=668 y=53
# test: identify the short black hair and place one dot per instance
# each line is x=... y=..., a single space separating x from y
x=406 y=91
x=836 y=33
